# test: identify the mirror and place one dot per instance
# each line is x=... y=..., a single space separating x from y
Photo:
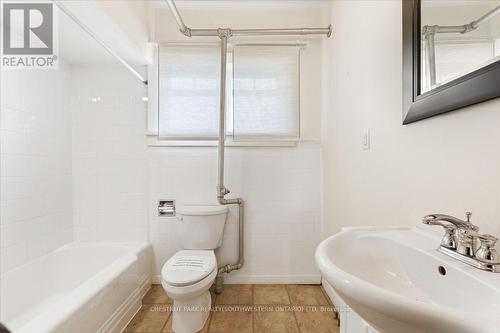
x=451 y=55
x=458 y=37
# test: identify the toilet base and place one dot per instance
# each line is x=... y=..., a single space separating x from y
x=189 y=316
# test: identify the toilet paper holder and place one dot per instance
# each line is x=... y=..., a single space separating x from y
x=166 y=208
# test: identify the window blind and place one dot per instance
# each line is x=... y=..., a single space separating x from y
x=189 y=83
x=266 y=93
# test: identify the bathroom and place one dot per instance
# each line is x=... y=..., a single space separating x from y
x=142 y=190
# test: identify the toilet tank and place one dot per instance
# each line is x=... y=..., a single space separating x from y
x=201 y=227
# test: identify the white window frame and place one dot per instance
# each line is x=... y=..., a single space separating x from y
x=153 y=106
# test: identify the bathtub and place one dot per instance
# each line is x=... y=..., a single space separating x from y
x=80 y=287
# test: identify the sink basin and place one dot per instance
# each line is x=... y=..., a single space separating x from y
x=397 y=281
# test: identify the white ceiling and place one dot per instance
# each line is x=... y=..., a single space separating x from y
x=77 y=47
x=240 y=4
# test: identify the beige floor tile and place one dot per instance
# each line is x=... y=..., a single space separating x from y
x=168 y=326
x=270 y=294
x=156 y=295
x=275 y=322
x=231 y=322
x=235 y=294
x=317 y=322
x=306 y=295
x=149 y=319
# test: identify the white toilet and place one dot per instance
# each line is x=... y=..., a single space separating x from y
x=187 y=276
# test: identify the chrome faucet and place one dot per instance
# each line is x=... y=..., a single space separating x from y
x=460 y=239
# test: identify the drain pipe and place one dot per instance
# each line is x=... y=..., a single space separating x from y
x=224 y=34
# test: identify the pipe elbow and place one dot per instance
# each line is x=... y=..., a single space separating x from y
x=186 y=31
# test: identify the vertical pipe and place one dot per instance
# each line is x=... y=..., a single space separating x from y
x=221 y=190
x=431 y=58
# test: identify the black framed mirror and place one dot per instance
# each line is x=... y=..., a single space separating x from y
x=451 y=55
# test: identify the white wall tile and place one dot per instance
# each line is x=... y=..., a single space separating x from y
x=110 y=168
x=35 y=171
x=281 y=189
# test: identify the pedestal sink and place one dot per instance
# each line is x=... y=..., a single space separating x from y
x=397 y=281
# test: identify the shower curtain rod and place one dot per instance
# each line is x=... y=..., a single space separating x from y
x=98 y=40
x=243 y=32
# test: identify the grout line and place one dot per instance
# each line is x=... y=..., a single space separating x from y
x=294 y=315
x=166 y=321
x=253 y=312
x=209 y=320
x=288 y=294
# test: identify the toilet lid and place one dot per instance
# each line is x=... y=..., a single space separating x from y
x=188 y=267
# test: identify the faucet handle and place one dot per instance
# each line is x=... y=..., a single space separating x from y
x=486 y=251
x=488 y=240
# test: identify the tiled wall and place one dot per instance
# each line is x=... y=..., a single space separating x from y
x=281 y=189
x=110 y=173
x=116 y=180
x=36 y=195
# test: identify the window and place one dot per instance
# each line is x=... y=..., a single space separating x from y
x=454 y=58
x=266 y=93
x=262 y=93
x=189 y=81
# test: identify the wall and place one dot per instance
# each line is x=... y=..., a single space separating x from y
x=448 y=164
x=281 y=189
x=35 y=171
x=281 y=186
x=110 y=173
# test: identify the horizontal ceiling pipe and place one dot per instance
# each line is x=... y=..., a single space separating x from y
x=243 y=32
x=296 y=31
x=463 y=29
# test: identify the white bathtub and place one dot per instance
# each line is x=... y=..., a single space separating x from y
x=80 y=287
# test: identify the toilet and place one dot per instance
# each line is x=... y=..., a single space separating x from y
x=188 y=275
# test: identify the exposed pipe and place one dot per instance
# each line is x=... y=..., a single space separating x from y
x=486 y=17
x=98 y=40
x=431 y=58
x=429 y=32
x=185 y=30
x=182 y=27
x=224 y=35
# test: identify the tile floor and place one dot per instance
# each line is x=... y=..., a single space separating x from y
x=247 y=308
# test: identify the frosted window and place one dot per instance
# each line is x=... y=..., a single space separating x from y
x=189 y=83
x=452 y=59
x=455 y=59
x=266 y=93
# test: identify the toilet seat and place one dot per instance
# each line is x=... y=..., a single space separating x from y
x=187 y=267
